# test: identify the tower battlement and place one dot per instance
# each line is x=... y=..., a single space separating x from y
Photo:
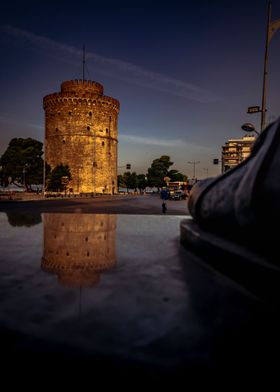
x=87 y=98
x=81 y=86
x=80 y=92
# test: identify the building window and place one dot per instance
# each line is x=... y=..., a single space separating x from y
x=88 y=128
x=103 y=143
x=90 y=114
x=63 y=141
x=69 y=113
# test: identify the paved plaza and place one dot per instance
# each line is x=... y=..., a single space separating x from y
x=149 y=204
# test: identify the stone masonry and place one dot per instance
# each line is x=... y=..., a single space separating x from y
x=79 y=247
x=81 y=131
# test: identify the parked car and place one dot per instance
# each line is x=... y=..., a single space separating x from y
x=177 y=195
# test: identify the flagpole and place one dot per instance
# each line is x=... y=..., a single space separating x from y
x=263 y=109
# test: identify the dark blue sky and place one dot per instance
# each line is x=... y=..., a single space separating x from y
x=184 y=71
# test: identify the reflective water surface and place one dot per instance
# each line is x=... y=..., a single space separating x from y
x=77 y=248
x=94 y=272
x=120 y=286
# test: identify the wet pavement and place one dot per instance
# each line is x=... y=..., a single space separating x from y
x=117 y=295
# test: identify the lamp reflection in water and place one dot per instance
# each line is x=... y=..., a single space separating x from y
x=78 y=247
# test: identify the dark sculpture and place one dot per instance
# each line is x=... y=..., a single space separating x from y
x=235 y=216
x=245 y=201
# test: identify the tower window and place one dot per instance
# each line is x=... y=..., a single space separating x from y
x=88 y=128
x=90 y=114
x=103 y=143
x=107 y=130
x=56 y=129
x=69 y=113
x=63 y=141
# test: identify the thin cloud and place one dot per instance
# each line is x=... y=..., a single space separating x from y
x=120 y=69
x=151 y=141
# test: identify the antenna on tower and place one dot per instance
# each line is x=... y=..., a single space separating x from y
x=84 y=62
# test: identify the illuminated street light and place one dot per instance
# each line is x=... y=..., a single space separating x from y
x=248 y=127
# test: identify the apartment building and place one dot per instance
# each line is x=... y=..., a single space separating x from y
x=234 y=151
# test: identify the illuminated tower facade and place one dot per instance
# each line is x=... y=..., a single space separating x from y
x=81 y=131
x=78 y=247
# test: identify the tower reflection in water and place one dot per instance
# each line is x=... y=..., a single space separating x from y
x=78 y=247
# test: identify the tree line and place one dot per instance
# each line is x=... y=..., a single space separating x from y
x=156 y=176
x=22 y=164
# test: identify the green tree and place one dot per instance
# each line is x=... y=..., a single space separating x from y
x=130 y=180
x=56 y=178
x=159 y=170
x=175 y=175
x=22 y=162
x=141 y=182
x=120 y=182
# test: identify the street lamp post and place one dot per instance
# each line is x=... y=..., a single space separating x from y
x=23 y=173
x=263 y=108
x=1 y=178
x=206 y=169
x=271 y=28
x=24 y=170
x=193 y=163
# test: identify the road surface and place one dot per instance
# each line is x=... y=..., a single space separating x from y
x=117 y=204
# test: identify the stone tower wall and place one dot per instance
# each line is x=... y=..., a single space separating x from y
x=81 y=130
x=78 y=247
